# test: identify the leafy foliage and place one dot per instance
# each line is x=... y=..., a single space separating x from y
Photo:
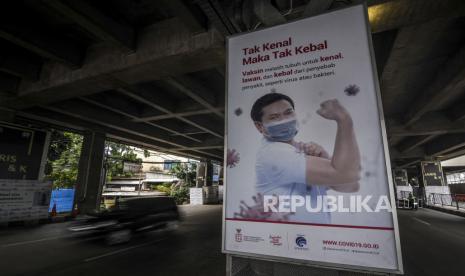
x=117 y=154
x=63 y=159
x=187 y=174
x=164 y=187
x=64 y=153
x=180 y=195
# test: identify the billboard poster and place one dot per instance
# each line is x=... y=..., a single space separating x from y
x=307 y=172
x=400 y=177
x=22 y=200
x=21 y=152
x=432 y=173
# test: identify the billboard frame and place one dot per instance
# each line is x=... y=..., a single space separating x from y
x=384 y=141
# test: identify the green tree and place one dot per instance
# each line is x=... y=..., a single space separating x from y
x=63 y=159
x=116 y=155
x=186 y=172
x=64 y=153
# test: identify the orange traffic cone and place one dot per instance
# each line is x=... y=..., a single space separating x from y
x=54 y=210
x=75 y=211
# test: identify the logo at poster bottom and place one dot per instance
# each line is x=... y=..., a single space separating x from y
x=276 y=240
x=238 y=235
x=301 y=243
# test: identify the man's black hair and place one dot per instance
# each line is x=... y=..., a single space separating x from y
x=257 y=109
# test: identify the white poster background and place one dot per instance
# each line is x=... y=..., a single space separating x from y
x=345 y=32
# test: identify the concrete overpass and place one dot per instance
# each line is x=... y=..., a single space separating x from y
x=152 y=74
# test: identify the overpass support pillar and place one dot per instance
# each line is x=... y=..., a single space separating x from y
x=208 y=173
x=91 y=174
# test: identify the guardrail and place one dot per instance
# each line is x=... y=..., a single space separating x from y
x=451 y=200
x=405 y=201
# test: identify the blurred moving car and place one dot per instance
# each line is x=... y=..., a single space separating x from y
x=129 y=216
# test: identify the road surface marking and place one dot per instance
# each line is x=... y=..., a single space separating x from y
x=422 y=221
x=29 y=242
x=120 y=251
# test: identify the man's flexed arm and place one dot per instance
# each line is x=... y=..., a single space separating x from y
x=344 y=166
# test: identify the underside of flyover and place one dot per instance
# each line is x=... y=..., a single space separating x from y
x=152 y=73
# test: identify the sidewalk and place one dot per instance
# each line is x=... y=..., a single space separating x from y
x=448 y=209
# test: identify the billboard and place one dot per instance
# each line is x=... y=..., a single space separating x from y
x=307 y=172
x=21 y=152
x=22 y=200
x=432 y=173
x=400 y=177
x=132 y=167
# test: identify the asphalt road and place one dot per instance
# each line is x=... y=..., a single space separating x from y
x=433 y=243
x=193 y=249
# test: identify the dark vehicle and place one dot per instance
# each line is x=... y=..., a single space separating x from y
x=128 y=217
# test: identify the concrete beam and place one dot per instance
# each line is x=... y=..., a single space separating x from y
x=387 y=15
x=418 y=152
x=432 y=123
x=446 y=88
x=445 y=144
x=64 y=121
x=137 y=142
x=7 y=115
x=267 y=13
x=19 y=66
x=217 y=17
x=383 y=43
x=43 y=44
x=208 y=144
x=456 y=112
x=409 y=62
x=96 y=23
x=412 y=142
x=315 y=7
x=94 y=115
x=145 y=98
x=196 y=91
x=186 y=14
x=160 y=53
x=455 y=153
x=409 y=163
x=112 y=100
x=145 y=118
x=8 y=84
x=194 y=132
x=116 y=110
x=400 y=13
x=199 y=148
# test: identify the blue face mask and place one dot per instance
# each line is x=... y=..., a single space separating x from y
x=281 y=131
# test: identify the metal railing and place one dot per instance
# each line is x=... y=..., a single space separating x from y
x=451 y=200
x=405 y=201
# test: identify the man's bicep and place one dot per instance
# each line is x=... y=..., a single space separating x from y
x=321 y=171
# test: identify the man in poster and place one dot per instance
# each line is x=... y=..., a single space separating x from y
x=287 y=167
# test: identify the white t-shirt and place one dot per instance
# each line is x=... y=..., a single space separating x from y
x=281 y=170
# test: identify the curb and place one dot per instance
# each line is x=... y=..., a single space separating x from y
x=453 y=212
